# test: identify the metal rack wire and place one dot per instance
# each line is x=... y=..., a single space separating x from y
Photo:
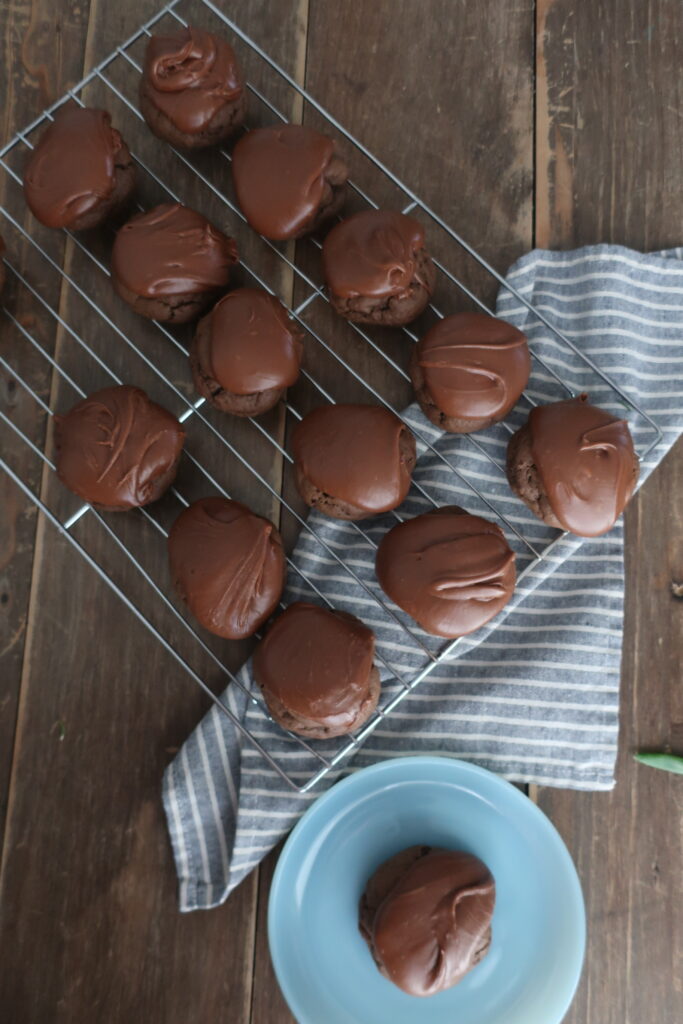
x=78 y=317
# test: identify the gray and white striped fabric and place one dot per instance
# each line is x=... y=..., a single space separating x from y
x=533 y=696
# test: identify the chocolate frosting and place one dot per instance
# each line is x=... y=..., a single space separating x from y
x=474 y=365
x=450 y=571
x=585 y=459
x=172 y=250
x=317 y=664
x=352 y=453
x=372 y=254
x=73 y=166
x=251 y=345
x=434 y=924
x=228 y=565
x=190 y=75
x=114 y=445
x=279 y=176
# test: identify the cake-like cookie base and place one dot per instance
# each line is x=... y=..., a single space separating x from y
x=524 y=478
x=167 y=309
x=313 y=730
x=224 y=123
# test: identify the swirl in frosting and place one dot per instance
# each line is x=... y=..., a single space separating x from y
x=228 y=564
x=373 y=253
x=426 y=915
x=115 y=445
x=450 y=571
x=189 y=75
x=586 y=461
x=73 y=166
x=474 y=365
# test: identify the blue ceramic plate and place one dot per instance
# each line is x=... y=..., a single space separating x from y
x=324 y=966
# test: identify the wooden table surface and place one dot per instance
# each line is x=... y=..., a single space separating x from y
x=522 y=122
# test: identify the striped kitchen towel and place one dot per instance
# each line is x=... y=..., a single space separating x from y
x=534 y=695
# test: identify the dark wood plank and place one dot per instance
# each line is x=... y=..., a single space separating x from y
x=482 y=119
x=40 y=52
x=610 y=143
x=88 y=920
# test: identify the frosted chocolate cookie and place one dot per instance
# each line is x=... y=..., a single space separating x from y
x=426 y=916
x=246 y=352
x=228 y=565
x=80 y=171
x=377 y=269
x=449 y=570
x=192 y=92
x=574 y=465
x=353 y=461
x=469 y=370
x=117 y=449
x=289 y=180
x=170 y=263
x=316 y=673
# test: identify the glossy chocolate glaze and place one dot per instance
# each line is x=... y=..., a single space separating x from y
x=282 y=178
x=228 y=564
x=114 y=446
x=585 y=459
x=450 y=571
x=474 y=366
x=73 y=166
x=372 y=253
x=352 y=452
x=434 y=923
x=172 y=250
x=316 y=663
x=189 y=75
x=252 y=344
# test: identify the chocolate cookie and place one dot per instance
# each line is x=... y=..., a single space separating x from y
x=353 y=461
x=289 y=180
x=170 y=263
x=80 y=170
x=315 y=670
x=449 y=570
x=469 y=370
x=117 y=449
x=246 y=352
x=426 y=916
x=574 y=465
x=377 y=268
x=192 y=92
x=228 y=565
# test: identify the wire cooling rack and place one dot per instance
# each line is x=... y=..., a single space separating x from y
x=89 y=339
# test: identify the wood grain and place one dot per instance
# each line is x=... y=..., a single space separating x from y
x=360 y=78
x=88 y=920
x=40 y=52
x=609 y=149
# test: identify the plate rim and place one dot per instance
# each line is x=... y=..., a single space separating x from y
x=436 y=761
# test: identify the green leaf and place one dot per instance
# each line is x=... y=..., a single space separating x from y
x=666 y=762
